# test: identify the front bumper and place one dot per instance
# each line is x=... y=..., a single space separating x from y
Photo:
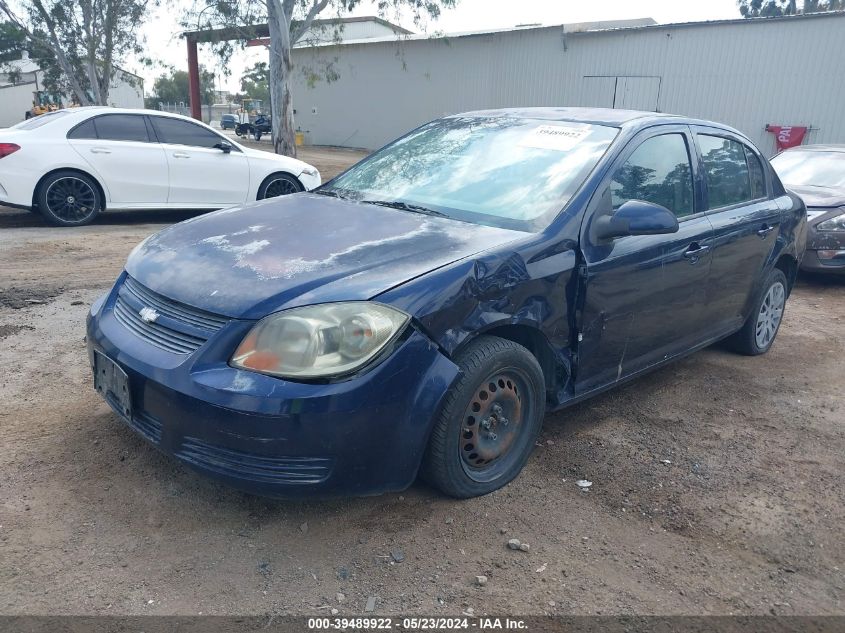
x=272 y=437
x=813 y=263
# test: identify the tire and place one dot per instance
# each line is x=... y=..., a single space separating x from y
x=760 y=329
x=69 y=198
x=257 y=136
x=474 y=447
x=280 y=184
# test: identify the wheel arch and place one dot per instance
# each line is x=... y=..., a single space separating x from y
x=556 y=373
x=788 y=265
x=101 y=190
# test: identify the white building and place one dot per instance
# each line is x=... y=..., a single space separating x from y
x=746 y=73
x=21 y=79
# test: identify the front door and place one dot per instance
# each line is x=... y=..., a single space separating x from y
x=201 y=175
x=745 y=222
x=643 y=295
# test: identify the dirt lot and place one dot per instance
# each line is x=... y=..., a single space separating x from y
x=747 y=518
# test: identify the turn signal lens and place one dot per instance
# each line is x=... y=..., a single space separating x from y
x=318 y=341
x=8 y=148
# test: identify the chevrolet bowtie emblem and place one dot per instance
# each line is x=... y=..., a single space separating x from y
x=148 y=315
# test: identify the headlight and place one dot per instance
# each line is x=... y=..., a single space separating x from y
x=833 y=224
x=318 y=341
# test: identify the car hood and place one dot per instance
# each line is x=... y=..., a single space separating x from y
x=246 y=262
x=821 y=197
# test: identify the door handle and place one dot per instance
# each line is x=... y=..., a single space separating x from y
x=100 y=150
x=694 y=252
x=181 y=155
x=765 y=230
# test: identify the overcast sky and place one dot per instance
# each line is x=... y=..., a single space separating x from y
x=163 y=28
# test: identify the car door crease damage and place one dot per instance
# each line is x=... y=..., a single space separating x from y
x=442 y=289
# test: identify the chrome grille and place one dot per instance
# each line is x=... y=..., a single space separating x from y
x=173 y=309
x=179 y=329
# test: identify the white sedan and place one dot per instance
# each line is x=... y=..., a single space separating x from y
x=71 y=164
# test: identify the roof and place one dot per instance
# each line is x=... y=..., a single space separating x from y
x=820 y=148
x=586 y=29
x=598 y=116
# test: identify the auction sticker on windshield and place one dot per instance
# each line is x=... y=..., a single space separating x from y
x=556 y=137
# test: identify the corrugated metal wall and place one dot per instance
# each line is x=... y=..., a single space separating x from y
x=744 y=73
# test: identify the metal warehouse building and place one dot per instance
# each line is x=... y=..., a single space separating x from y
x=746 y=73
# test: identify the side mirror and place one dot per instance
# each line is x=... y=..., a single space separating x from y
x=636 y=217
x=224 y=147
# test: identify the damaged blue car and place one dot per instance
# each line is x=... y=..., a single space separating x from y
x=420 y=313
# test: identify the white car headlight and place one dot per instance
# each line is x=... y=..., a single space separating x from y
x=318 y=341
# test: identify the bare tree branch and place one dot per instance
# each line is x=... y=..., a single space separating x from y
x=317 y=7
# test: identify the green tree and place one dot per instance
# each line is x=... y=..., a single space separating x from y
x=12 y=42
x=774 y=8
x=78 y=44
x=256 y=83
x=288 y=22
x=172 y=87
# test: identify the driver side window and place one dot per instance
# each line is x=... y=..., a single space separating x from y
x=658 y=172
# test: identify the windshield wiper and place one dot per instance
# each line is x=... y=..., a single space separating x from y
x=328 y=192
x=405 y=206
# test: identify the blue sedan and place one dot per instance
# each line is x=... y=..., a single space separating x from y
x=420 y=313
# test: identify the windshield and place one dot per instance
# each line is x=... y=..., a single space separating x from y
x=38 y=121
x=505 y=172
x=816 y=169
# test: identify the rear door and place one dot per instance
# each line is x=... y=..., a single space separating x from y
x=644 y=294
x=127 y=159
x=745 y=220
x=201 y=175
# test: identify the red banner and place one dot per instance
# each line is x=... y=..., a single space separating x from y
x=787 y=136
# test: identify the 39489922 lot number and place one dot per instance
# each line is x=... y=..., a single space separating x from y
x=411 y=624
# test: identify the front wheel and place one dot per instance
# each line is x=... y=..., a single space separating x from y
x=759 y=331
x=489 y=422
x=68 y=198
x=279 y=185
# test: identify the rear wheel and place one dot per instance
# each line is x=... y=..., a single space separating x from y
x=279 y=185
x=68 y=198
x=490 y=419
x=759 y=332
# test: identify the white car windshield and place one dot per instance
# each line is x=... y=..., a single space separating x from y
x=813 y=168
x=500 y=171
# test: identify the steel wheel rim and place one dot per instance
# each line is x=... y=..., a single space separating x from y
x=493 y=423
x=770 y=315
x=280 y=187
x=70 y=199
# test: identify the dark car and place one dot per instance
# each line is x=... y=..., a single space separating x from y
x=817 y=174
x=228 y=121
x=421 y=312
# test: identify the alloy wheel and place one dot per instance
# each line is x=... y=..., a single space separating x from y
x=71 y=199
x=771 y=312
x=280 y=187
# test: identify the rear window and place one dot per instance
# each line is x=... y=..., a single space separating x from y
x=726 y=170
x=121 y=127
x=758 y=180
x=40 y=120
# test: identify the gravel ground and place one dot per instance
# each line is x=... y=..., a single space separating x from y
x=717 y=483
